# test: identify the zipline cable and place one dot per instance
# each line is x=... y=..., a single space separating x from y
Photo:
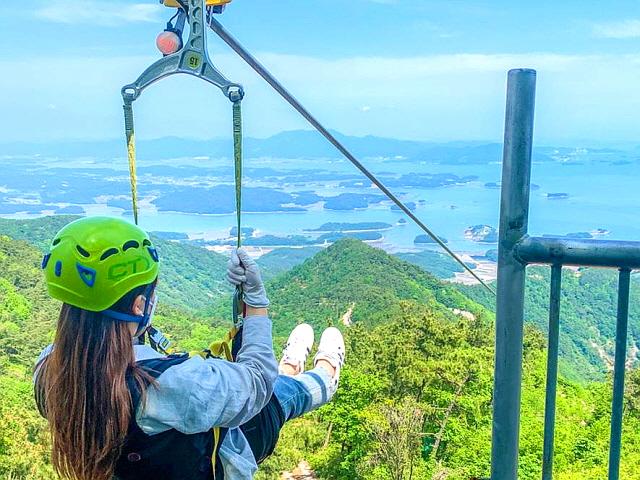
x=284 y=93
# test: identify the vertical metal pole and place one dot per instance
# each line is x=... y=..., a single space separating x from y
x=618 y=374
x=514 y=213
x=552 y=372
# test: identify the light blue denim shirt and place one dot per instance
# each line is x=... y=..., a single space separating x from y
x=198 y=395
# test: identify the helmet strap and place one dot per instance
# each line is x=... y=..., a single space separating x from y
x=143 y=320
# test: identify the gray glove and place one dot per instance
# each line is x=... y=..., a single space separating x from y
x=243 y=271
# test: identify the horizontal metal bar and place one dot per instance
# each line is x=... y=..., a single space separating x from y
x=588 y=253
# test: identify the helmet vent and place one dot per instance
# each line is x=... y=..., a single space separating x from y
x=154 y=254
x=82 y=251
x=45 y=260
x=130 y=244
x=108 y=253
x=56 y=241
x=146 y=243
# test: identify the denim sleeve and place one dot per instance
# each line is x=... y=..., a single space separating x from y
x=198 y=394
x=44 y=354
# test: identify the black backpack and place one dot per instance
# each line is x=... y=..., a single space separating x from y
x=169 y=455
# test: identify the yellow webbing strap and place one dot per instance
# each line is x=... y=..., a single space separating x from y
x=220 y=348
x=131 y=151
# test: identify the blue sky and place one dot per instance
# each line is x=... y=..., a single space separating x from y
x=420 y=69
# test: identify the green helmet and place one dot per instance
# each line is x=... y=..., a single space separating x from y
x=95 y=261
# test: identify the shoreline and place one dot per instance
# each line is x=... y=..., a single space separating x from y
x=485 y=269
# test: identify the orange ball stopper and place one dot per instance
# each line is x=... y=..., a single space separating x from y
x=168 y=43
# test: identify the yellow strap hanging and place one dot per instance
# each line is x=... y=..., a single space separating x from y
x=131 y=152
x=220 y=348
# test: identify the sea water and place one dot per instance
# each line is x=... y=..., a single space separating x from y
x=599 y=196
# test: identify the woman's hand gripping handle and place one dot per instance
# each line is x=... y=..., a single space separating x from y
x=244 y=273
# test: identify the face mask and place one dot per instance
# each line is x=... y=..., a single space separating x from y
x=150 y=310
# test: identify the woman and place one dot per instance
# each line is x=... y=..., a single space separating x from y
x=119 y=409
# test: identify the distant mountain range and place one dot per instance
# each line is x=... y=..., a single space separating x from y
x=307 y=144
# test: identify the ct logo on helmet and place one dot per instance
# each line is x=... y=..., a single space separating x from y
x=117 y=271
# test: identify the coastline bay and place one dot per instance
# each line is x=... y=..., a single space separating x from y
x=288 y=197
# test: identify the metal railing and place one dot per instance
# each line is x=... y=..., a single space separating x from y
x=516 y=251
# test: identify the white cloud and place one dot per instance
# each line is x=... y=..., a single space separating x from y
x=623 y=29
x=96 y=12
x=440 y=97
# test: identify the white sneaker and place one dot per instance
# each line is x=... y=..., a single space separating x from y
x=332 y=350
x=298 y=347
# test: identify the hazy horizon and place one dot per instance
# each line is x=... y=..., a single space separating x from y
x=429 y=71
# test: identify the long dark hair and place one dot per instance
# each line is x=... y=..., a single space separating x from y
x=84 y=390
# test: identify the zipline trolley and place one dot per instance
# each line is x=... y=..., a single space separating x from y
x=191 y=58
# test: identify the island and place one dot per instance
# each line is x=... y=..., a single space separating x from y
x=262 y=241
x=306 y=198
x=246 y=231
x=557 y=196
x=124 y=204
x=173 y=236
x=426 y=239
x=352 y=201
x=332 y=227
x=492 y=255
x=436 y=263
x=291 y=240
x=429 y=180
x=573 y=235
x=11 y=208
x=335 y=236
x=481 y=234
x=70 y=210
x=355 y=184
x=220 y=199
x=579 y=235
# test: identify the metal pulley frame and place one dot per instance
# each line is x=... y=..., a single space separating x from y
x=192 y=59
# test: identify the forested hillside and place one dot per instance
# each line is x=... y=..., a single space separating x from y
x=353 y=283
x=415 y=397
x=587 y=316
x=191 y=276
x=282 y=260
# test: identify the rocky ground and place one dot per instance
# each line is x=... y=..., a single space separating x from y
x=301 y=472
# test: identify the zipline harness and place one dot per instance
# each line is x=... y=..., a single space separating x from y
x=191 y=57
